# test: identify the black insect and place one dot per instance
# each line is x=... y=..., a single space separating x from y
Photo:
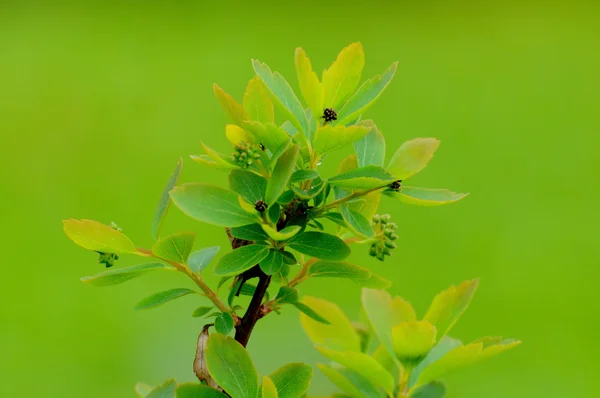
x=396 y=185
x=329 y=115
x=260 y=206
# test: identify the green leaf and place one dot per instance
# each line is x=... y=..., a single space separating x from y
x=412 y=157
x=269 y=134
x=208 y=161
x=167 y=390
x=303 y=175
x=211 y=204
x=320 y=245
x=252 y=232
x=329 y=138
x=281 y=174
x=284 y=234
x=143 y=389
x=121 y=275
x=257 y=102
x=310 y=86
x=161 y=298
x=165 y=200
x=370 y=150
x=367 y=177
x=268 y=388
x=309 y=312
x=272 y=263
x=92 y=235
x=200 y=259
x=283 y=95
x=193 y=390
x=287 y=295
x=445 y=345
x=313 y=192
x=357 y=222
x=339 y=334
x=201 y=311
x=449 y=305
x=350 y=382
x=413 y=340
x=240 y=260
x=248 y=185
x=224 y=161
x=224 y=323
x=292 y=380
x=377 y=305
x=366 y=95
x=364 y=365
x=343 y=270
x=461 y=357
x=343 y=76
x=432 y=390
x=175 y=247
x=425 y=196
x=232 y=108
x=336 y=218
x=231 y=367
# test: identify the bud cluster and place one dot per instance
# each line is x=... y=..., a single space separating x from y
x=245 y=154
x=386 y=232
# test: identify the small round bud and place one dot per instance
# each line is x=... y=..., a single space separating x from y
x=396 y=185
x=329 y=114
x=260 y=206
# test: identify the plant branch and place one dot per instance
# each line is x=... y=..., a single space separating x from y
x=345 y=199
x=254 y=311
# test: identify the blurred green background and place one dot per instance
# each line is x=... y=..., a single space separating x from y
x=98 y=100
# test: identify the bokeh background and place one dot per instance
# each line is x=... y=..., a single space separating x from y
x=98 y=100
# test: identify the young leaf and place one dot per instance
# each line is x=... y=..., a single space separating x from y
x=366 y=95
x=201 y=311
x=432 y=390
x=449 y=305
x=377 y=305
x=303 y=175
x=284 y=234
x=343 y=76
x=461 y=357
x=226 y=162
x=175 y=247
x=281 y=174
x=350 y=382
x=235 y=134
x=165 y=200
x=287 y=295
x=231 y=367
x=425 y=196
x=309 y=312
x=445 y=345
x=167 y=390
x=413 y=340
x=320 y=245
x=208 y=161
x=95 y=236
x=211 y=204
x=339 y=334
x=161 y=298
x=120 y=275
x=269 y=390
x=283 y=95
x=248 y=185
x=310 y=86
x=224 y=323
x=252 y=232
x=370 y=150
x=292 y=380
x=328 y=138
x=412 y=157
x=199 y=259
x=367 y=177
x=364 y=365
x=234 y=110
x=357 y=222
x=268 y=134
x=192 y=390
x=343 y=270
x=272 y=263
x=257 y=102
x=143 y=389
x=240 y=260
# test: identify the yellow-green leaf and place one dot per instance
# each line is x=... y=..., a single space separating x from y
x=350 y=382
x=426 y=196
x=342 y=77
x=366 y=95
x=367 y=177
x=370 y=150
x=310 y=86
x=338 y=334
x=378 y=307
x=175 y=247
x=284 y=234
x=344 y=270
x=161 y=298
x=283 y=170
x=413 y=340
x=167 y=390
x=121 y=275
x=403 y=311
x=449 y=305
x=268 y=388
x=235 y=134
x=292 y=380
x=241 y=259
x=412 y=157
x=232 y=108
x=165 y=200
x=95 y=236
x=328 y=138
x=257 y=102
x=268 y=134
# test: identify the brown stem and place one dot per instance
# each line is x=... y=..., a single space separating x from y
x=254 y=311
